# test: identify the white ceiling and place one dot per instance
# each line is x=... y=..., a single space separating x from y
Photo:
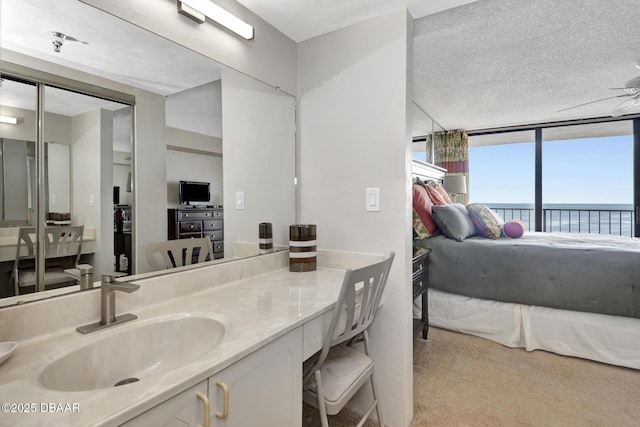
x=302 y=20
x=497 y=63
x=483 y=64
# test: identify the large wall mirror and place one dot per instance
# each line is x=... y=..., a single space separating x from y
x=213 y=124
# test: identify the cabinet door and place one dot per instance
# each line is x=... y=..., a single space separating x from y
x=263 y=389
x=184 y=409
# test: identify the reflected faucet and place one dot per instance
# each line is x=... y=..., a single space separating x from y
x=108 y=289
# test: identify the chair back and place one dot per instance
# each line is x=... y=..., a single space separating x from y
x=178 y=253
x=356 y=307
x=59 y=242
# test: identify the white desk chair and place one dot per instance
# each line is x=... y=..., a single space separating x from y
x=178 y=253
x=338 y=371
x=62 y=247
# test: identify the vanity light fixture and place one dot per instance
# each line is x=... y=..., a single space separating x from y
x=11 y=120
x=199 y=9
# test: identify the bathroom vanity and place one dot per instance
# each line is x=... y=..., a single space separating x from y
x=223 y=343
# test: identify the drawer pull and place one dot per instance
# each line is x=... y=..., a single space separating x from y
x=225 y=400
x=207 y=409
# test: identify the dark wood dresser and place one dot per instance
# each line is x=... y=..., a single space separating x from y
x=187 y=223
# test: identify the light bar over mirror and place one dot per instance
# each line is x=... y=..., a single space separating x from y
x=199 y=9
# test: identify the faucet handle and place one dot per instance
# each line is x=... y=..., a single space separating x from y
x=111 y=277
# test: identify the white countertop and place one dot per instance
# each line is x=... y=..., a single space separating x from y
x=256 y=310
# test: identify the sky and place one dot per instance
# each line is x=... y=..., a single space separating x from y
x=584 y=171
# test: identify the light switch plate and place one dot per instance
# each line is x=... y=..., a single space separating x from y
x=372 y=199
x=239 y=200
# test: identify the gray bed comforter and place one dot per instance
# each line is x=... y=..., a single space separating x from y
x=581 y=272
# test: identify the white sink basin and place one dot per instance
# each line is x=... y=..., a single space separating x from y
x=131 y=353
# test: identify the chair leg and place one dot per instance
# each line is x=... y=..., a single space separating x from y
x=321 y=405
x=376 y=399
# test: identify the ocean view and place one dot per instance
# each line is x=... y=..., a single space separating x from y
x=572 y=217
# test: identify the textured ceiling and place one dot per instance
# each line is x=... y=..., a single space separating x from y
x=495 y=63
x=483 y=64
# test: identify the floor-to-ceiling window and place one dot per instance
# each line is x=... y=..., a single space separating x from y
x=501 y=174
x=587 y=178
x=586 y=171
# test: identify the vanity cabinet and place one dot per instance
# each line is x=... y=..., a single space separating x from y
x=185 y=409
x=263 y=389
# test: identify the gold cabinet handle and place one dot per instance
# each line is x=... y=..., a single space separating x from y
x=225 y=400
x=207 y=409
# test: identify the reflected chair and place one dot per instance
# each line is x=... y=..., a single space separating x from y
x=62 y=249
x=334 y=375
x=178 y=253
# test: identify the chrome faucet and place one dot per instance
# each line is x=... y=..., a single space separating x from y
x=108 y=289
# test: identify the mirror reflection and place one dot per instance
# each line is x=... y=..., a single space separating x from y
x=219 y=127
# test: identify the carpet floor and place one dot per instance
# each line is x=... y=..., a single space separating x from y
x=461 y=380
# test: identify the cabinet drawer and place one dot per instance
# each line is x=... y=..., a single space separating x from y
x=218 y=246
x=185 y=215
x=214 y=235
x=420 y=264
x=217 y=214
x=189 y=226
x=195 y=235
x=212 y=225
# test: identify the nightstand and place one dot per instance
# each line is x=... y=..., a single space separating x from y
x=420 y=286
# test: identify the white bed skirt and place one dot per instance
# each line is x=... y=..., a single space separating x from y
x=609 y=339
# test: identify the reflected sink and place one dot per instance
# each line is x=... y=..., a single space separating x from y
x=131 y=353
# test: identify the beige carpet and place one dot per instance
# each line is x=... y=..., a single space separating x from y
x=462 y=380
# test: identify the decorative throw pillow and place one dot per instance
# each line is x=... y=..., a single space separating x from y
x=436 y=196
x=513 y=229
x=453 y=219
x=423 y=223
x=487 y=222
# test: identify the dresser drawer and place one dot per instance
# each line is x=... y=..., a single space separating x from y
x=214 y=235
x=190 y=235
x=217 y=214
x=190 y=226
x=186 y=215
x=212 y=225
x=218 y=246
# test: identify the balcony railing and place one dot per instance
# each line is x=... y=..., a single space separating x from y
x=573 y=220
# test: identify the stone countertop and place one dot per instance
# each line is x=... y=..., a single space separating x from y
x=255 y=310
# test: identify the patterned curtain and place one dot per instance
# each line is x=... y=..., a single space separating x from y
x=451 y=151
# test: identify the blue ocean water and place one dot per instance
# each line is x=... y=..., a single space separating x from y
x=576 y=218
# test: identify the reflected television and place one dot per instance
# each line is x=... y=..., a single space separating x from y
x=194 y=192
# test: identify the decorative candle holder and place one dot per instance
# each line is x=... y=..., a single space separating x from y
x=265 y=238
x=302 y=247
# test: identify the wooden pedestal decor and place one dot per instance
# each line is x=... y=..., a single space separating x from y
x=302 y=247
x=265 y=238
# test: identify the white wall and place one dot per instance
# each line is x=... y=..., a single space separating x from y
x=193 y=157
x=15 y=175
x=58 y=175
x=58 y=127
x=91 y=177
x=254 y=112
x=355 y=133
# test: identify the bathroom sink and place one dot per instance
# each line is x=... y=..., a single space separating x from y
x=131 y=353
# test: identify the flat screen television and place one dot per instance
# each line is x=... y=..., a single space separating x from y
x=193 y=192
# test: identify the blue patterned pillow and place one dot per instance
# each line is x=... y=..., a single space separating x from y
x=487 y=222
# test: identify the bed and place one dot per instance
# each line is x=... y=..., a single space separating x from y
x=568 y=293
